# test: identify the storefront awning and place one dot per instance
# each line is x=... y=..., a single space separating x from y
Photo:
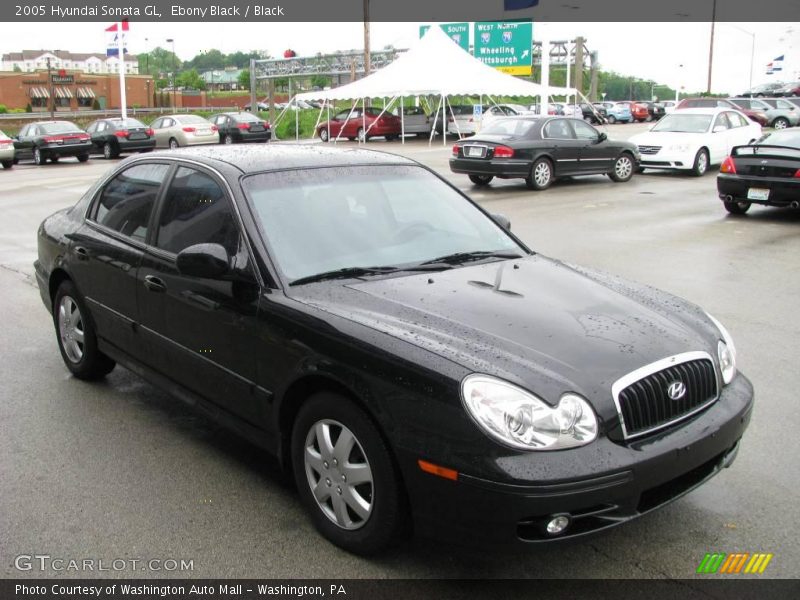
x=85 y=92
x=39 y=92
x=63 y=92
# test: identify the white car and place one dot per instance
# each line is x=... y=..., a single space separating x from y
x=466 y=124
x=669 y=106
x=415 y=120
x=177 y=131
x=6 y=151
x=694 y=138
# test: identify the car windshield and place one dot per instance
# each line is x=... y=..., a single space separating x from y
x=59 y=127
x=678 y=123
x=191 y=119
x=781 y=138
x=367 y=216
x=515 y=127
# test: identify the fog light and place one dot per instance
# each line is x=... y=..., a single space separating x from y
x=557 y=524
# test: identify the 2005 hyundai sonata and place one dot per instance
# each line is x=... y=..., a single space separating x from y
x=396 y=347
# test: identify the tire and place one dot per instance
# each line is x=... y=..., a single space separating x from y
x=380 y=513
x=361 y=136
x=541 y=175
x=700 y=163
x=324 y=135
x=649 y=118
x=391 y=138
x=83 y=157
x=7 y=164
x=736 y=208
x=76 y=337
x=481 y=180
x=38 y=156
x=173 y=144
x=54 y=159
x=623 y=168
x=227 y=140
x=780 y=123
x=612 y=119
x=352 y=139
x=109 y=151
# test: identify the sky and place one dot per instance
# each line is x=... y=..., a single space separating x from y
x=645 y=50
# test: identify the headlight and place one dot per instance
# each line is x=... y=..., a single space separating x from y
x=726 y=352
x=679 y=148
x=519 y=419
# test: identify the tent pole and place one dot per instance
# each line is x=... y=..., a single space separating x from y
x=433 y=128
x=385 y=108
x=347 y=120
x=319 y=118
x=444 y=123
x=328 y=124
x=296 y=123
x=455 y=122
x=364 y=118
x=402 y=121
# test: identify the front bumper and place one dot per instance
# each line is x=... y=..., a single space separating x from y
x=507 y=167
x=666 y=159
x=782 y=191
x=612 y=483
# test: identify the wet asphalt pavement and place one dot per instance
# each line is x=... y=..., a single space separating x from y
x=117 y=469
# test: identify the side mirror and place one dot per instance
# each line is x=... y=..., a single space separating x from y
x=719 y=128
x=209 y=261
x=602 y=137
x=502 y=220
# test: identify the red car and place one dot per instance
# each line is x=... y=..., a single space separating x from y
x=360 y=124
x=754 y=115
x=640 y=112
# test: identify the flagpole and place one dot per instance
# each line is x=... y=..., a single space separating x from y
x=121 y=46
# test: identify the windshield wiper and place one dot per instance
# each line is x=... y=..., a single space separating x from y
x=460 y=257
x=360 y=271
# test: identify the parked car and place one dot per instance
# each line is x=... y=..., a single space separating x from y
x=764 y=172
x=461 y=112
x=261 y=107
x=415 y=121
x=618 y=112
x=175 y=131
x=654 y=110
x=241 y=127
x=536 y=109
x=6 y=151
x=765 y=89
x=112 y=137
x=461 y=119
x=694 y=138
x=540 y=150
x=638 y=110
x=793 y=100
x=360 y=124
x=417 y=356
x=568 y=110
x=780 y=113
x=758 y=116
x=668 y=106
x=791 y=88
x=51 y=140
x=593 y=114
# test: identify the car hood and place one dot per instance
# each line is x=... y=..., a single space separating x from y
x=542 y=324
x=665 y=138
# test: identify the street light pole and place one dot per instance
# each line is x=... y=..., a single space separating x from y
x=174 y=73
x=52 y=99
x=711 y=45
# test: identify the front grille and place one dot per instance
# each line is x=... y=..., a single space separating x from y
x=643 y=397
x=649 y=149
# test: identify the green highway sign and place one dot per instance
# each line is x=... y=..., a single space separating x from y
x=506 y=46
x=458 y=32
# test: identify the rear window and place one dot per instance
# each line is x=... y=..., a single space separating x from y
x=781 y=138
x=515 y=127
x=62 y=127
x=190 y=119
x=128 y=123
x=247 y=118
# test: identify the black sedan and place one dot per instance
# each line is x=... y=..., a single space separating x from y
x=654 y=110
x=51 y=140
x=416 y=367
x=594 y=113
x=766 y=172
x=241 y=127
x=113 y=137
x=540 y=150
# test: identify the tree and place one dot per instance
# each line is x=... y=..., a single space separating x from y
x=191 y=79
x=208 y=60
x=241 y=60
x=158 y=61
x=320 y=81
x=17 y=68
x=244 y=79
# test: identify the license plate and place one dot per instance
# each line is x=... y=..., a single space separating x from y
x=758 y=194
x=256 y=128
x=203 y=132
x=137 y=136
x=475 y=151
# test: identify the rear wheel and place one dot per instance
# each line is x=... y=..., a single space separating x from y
x=7 y=164
x=38 y=156
x=83 y=157
x=780 y=123
x=173 y=143
x=736 y=207
x=700 y=163
x=541 y=175
x=54 y=159
x=481 y=179
x=612 y=119
x=228 y=139
x=623 y=169
x=345 y=475
x=76 y=336
x=109 y=151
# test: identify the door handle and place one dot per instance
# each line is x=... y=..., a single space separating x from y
x=154 y=284
x=82 y=253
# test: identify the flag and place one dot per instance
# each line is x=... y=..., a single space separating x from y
x=769 y=69
x=519 y=4
x=777 y=63
x=112 y=39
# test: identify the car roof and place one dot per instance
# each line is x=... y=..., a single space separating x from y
x=271 y=157
x=707 y=110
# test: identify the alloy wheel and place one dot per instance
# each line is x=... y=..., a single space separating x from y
x=541 y=175
x=71 y=329
x=339 y=474
x=624 y=167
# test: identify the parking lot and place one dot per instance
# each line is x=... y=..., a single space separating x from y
x=118 y=469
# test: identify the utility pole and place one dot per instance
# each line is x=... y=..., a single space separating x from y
x=52 y=99
x=366 y=38
x=580 y=42
x=711 y=45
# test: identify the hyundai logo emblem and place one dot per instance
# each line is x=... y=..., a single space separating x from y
x=676 y=390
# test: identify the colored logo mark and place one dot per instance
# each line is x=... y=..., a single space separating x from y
x=735 y=563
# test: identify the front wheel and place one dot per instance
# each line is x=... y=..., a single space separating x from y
x=700 y=163
x=324 y=135
x=361 y=135
x=481 y=179
x=780 y=123
x=7 y=164
x=346 y=476
x=541 y=175
x=612 y=119
x=83 y=157
x=623 y=169
x=173 y=144
x=76 y=336
x=736 y=207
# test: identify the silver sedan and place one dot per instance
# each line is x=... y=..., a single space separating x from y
x=6 y=151
x=175 y=131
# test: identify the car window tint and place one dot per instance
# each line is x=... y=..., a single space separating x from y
x=196 y=211
x=721 y=121
x=127 y=201
x=558 y=129
x=584 y=131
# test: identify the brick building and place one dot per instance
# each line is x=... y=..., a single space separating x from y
x=73 y=90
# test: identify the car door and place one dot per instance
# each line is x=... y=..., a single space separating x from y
x=595 y=156
x=741 y=131
x=100 y=135
x=350 y=126
x=201 y=332
x=105 y=253
x=23 y=146
x=563 y=146
x=158 y=127
x=223 y=123
x=718 y=139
